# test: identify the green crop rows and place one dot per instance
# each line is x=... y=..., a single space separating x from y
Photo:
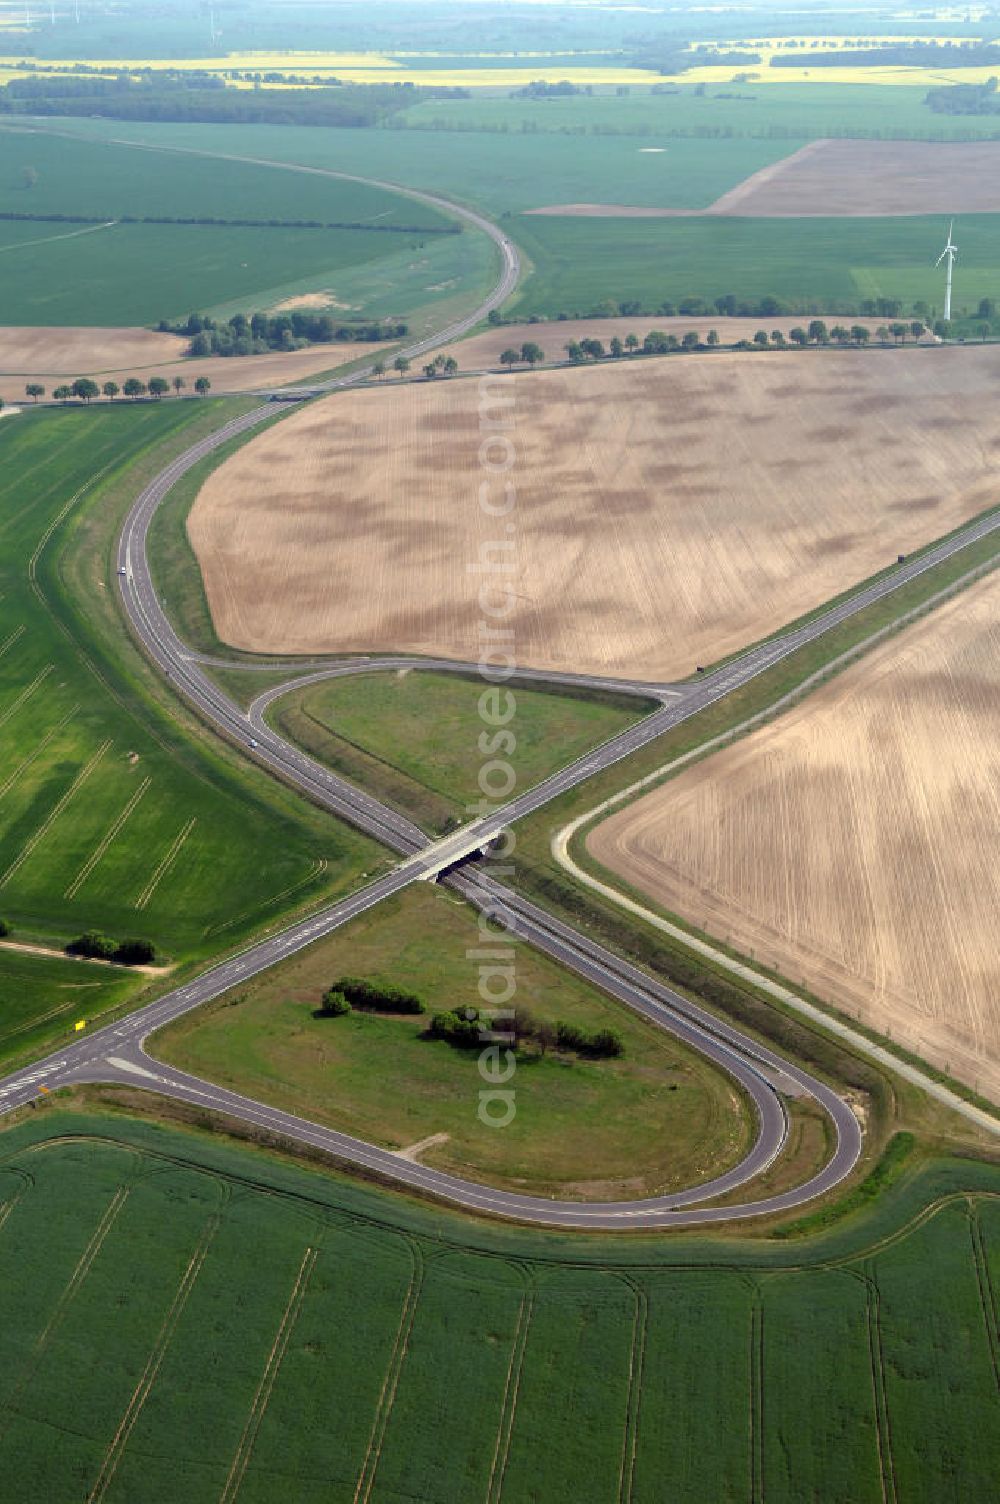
x=114 y=273
x=124 y=274
x=198 y=1326
x=104 y=181
x=498 y=173
x=109 y=817
x=827 y=262
x=578 y=265
x=791 y=112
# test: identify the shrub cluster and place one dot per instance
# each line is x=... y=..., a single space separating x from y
x=103 y=948
x=334 y=1004
x=467 y=1029
x=371 y=997
x=599 y=1043
x=965 y=99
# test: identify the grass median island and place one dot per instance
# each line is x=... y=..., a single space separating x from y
x=412 y=738
x=825 y=1367
x=658 y=1116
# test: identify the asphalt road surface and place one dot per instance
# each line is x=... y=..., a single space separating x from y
x=116 y=1052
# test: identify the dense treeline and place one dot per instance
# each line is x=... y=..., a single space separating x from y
x=965 y=99
x=210 y=219
x=772 y=132
x=656 y=342
x=540 y=89
x=730 y=306
x=84 y=389
x=899 y=54
x=258 y=333
x=208 y=99
x=675 y=56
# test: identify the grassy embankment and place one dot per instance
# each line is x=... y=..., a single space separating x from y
x=306 y=1334
x=118 y=811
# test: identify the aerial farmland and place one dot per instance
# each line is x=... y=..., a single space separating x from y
x=499 y=816
x=670 y=511
x=852 y=844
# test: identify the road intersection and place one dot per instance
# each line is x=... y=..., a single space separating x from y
x=117 y=1052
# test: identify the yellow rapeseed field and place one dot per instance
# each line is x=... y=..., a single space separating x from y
x=371 y=68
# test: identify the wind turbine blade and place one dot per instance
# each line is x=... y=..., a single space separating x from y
x=941 y=258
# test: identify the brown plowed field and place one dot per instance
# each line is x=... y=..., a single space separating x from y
x=855 y=843
x=30 y=349
x=873 y=178
x=667 y=511
x=54 y=357
x=853 y=178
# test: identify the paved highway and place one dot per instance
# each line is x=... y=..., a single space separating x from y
x=117 y=1052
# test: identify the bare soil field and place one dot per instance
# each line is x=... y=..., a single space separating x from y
x=482 y=351
x=53 y=362
x=853 y=178
x=873 y=178
x=663 y=513
x=855 y=843
x=84 y=351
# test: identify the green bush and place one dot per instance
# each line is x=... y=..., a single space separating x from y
x=602 y=1043
x=334 y=1004
x=100 y=947
x=94 y=945
x=4 y=928
x=378 y=998
x=465 y=1028
x=135 y=953
x=461 y=1029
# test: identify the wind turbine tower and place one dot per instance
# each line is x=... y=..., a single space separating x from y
x=950 y=251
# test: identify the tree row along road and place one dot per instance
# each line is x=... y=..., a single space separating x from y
x=116 y=1052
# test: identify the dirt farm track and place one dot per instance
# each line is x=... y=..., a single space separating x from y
x=668 y=511
x=855 y=842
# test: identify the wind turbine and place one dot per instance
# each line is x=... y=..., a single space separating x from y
x=951 y=251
